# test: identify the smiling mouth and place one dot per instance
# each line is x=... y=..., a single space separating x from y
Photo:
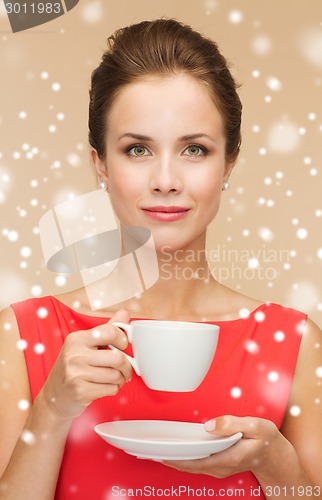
x=167 y=210
x=166 y=213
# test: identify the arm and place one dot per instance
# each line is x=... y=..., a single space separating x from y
x=290 y=460
x=33 y=440
x=304 y=430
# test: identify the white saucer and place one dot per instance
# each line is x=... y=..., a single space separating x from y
x=163 y=440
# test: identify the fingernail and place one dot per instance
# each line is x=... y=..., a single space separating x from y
x=210 y=425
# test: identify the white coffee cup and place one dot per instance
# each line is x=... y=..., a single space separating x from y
x=171 y=356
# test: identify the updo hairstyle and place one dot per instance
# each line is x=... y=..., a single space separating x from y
x=163 y=47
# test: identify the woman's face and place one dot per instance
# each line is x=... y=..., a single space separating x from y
x=165 y=158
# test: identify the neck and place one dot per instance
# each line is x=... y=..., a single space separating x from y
x=184 y=289
x=181 y=291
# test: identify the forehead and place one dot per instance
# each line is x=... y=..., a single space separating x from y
x=177 y=101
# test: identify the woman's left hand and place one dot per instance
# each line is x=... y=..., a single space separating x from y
x=261 y=449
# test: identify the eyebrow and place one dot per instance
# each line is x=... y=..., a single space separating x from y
x=192 y=137
x=137 y=137
x=184 y=138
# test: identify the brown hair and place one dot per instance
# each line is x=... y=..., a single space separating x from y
x=162 y=47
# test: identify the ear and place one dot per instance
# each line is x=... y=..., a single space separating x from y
x=100 y=166
x=229 y=169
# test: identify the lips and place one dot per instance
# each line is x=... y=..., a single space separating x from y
x=166 y=213
x=167 y=209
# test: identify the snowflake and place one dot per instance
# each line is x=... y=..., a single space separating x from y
x=235 y=17
x=273 y=83
x=92 y=13
x=25 y=252
x=310 y=44
x=39 y=348
x=251 y=346
x=36 y=290
x=279 y=336
x=295 y=411
x=253 y=263
x=28 y=437
x=259 y=316
x=236 y=392
x=265 y=234
x=283 y=137
x=42 y=312
x=56 y=87
x=273 y=376
x=23 y=404
x=262 y=45
x=302 y=233
x=244 y=313
x=60 y=280
x=22 y=344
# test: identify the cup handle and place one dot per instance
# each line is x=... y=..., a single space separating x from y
x=128 y=329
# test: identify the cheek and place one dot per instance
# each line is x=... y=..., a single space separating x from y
x=208 y=196
x=122 y=184
x=120 y=196
x=207 y=189
x=123 y=192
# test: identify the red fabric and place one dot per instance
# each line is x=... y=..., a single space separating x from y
x=249 y=357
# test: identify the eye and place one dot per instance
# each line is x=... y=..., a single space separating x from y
x=138 y=151
x=195 y=150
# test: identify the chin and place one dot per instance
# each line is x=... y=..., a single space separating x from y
x=170 y=246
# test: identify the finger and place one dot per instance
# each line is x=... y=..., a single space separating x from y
x=219 y=465
x=108 y=334
x=192 y=466
x=216 y=464
x=110 y=359
x=107 y=358
x=98 y=337
x=97 y=391
x=102 y=335
x=99 y=375
x=111 y=333
x=227 y=425
x=121 y=315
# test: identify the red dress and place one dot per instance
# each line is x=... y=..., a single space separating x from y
x=251 y=374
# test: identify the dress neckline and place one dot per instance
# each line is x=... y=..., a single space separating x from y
x=251 y=314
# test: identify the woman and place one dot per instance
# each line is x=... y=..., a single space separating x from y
x=165 y=134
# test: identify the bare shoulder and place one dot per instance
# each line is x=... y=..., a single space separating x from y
x=231 y=304
x=309 y=362
x=72 y=298
x=78 y=300
x=14 y=377
x=302 y=424
x=9 y=336
x=75 y=299
x=14 y=385
x=307 y=382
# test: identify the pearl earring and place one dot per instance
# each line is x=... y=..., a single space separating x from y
x=103 y=185
x=226 y=186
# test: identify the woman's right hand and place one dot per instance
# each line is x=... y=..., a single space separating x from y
x=85 y=370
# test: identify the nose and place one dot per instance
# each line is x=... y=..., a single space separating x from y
x=166 y=176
